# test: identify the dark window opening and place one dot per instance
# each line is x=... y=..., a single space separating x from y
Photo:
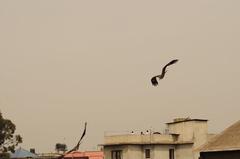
x=147 y=153
x=171 y=153
x=117 y=154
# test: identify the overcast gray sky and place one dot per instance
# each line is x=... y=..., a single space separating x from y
x=66 y=62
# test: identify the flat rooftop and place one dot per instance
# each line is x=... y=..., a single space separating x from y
x=138 y=139
x=179 y=120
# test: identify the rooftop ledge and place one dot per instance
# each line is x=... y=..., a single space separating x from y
x=143 y=139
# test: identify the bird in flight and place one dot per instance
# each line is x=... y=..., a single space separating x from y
x=154 y=79
x=78 y=144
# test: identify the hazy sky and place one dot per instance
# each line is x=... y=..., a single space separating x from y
x=66 y=62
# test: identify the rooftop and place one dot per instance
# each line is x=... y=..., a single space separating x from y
x=179 y=120
x=138 y=139
x=90 y=154
x=228 y=140
x=22 y=153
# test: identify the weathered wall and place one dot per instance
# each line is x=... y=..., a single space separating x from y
x=134 y=152
x=196 y=131
x=190 y=131
x=184 y=151
x=162 y=151
x=157 y=151
x=108 y=151
x=138 y=139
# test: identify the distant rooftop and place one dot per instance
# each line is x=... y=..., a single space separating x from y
x=227 y=140
x=22 y=153
x=89 y=154
x=179 y=120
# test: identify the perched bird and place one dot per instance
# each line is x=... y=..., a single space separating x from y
x=78 y=144
x=154 y=79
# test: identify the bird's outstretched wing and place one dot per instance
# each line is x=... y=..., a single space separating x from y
x=170 y=63
x=154 y=79
x=83 y=134
x=78 y=144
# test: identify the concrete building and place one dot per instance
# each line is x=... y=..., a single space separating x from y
x=180 y=141
x=226 y=145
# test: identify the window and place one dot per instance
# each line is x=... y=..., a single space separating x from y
x=117 y=154
x=171 y=153
x=147 y=153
